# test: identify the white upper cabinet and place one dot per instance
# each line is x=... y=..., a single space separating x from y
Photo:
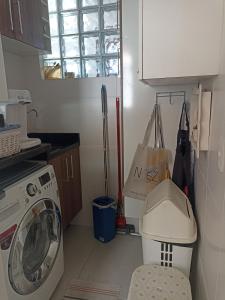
x=180 y=40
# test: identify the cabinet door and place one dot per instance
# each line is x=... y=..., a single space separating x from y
x=180 y=38
x=67 y=169
x=75 y=181
x=7 y=25
x=28 y=22
x=57 y=164
x=36 y=24
x=68 y=195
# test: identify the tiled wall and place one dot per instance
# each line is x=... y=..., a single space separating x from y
x=209 y=259
x=72 y=106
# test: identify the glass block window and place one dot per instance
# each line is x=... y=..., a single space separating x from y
x=85 y=38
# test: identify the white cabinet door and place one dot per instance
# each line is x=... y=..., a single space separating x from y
x=180 y=39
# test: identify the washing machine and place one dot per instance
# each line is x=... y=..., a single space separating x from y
x=31 y=247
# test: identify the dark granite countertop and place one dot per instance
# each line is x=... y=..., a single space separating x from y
x=60 y=143
x=57 y=139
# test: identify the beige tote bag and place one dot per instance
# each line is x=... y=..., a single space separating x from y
x=150 y=164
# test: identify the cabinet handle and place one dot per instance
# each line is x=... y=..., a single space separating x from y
x=20 y=17
x=10 y=14
x=67 y=170
x=72 y=169
x=45 y=28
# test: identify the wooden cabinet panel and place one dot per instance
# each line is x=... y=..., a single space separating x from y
x=67 y=169
x=66 y=203
x=36 y=24
x=67 y=192
x=22 y=15
x=27 y=16
x=76 y=179
x=56 y=163
x=6 y=18
x=23 y=20
x=72 y=182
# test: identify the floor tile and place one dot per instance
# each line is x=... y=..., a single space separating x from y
x=88 y=259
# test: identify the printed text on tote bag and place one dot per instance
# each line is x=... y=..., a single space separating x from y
x=147 y=174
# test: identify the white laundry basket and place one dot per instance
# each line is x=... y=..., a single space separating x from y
x=168 y=228
x=10 y=138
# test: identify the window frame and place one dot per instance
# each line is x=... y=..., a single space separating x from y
x=101 y=33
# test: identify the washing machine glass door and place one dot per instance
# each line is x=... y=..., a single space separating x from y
x=35 y=247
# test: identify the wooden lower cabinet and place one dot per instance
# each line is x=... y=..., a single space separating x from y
x=67 y=170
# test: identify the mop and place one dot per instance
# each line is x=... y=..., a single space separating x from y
x=105 y=138
x=104 y=207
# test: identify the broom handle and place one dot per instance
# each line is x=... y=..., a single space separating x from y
x=119 y=150
x=105 y=138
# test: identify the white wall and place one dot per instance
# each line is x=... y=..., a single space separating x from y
x=71 y=106
x=3 y=85
x=15 y=71
x=209 y=264
x=139 y=100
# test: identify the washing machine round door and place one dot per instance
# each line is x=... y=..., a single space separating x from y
x=35 y=247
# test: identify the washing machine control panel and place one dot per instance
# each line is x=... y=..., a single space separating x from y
x=31 y=189
x=40 y=184
x=44 y=179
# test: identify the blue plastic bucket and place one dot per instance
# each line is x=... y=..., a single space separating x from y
x=104 y=218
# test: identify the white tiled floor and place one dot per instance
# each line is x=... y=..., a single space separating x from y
x=88 y=259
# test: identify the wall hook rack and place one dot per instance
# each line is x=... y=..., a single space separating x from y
x=170 y=96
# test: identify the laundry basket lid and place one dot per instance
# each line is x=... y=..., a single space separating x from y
x=156 y=282
x=168 y=215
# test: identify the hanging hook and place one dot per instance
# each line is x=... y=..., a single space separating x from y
x=156 y=99
x=170 y=96
x=184 y=98
x=156 y=128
